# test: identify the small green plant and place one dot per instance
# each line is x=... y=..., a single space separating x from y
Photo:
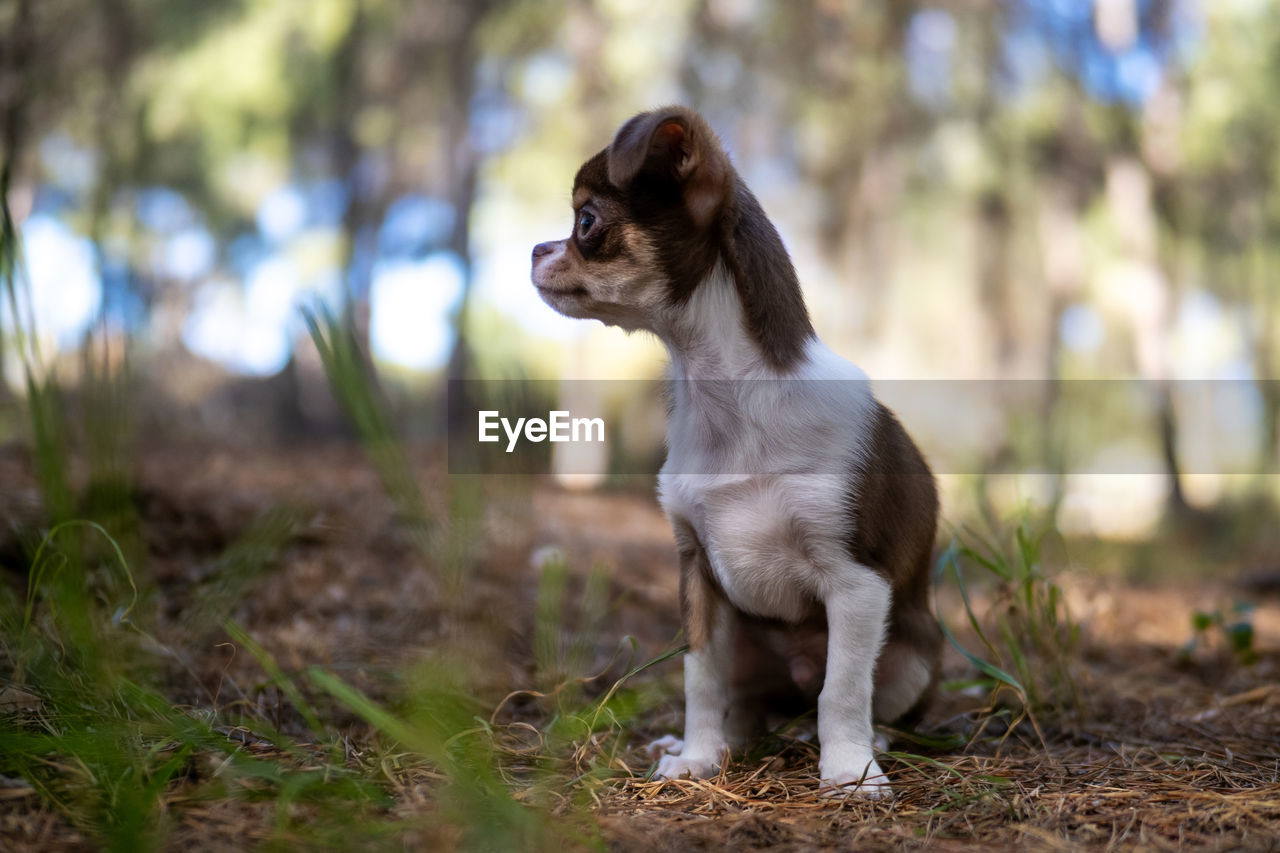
x=354 y=385
x=583 y=737
x=1025 y=629
x=1232 y=626
x=96 y=739
x=562 y=641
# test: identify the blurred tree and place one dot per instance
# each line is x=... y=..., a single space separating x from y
x=1039 y=145
x=1223 y=182
x=821 y=85
x=1096 y=147
x=15 y=48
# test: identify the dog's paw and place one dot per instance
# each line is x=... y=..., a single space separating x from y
x=665 y=745
x=856 y=779
x=681 y=767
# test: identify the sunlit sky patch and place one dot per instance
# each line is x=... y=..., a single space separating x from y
x=251 y=328
x=1121 y=60
x=414 y=222
x=410 y=303
x=163 y=211
x=282 y=214
x=272 y=290
x=546 y=78
x=65 y=292
x=69 y=165
x=221 y=329
x=930 y=42
x=1081 y=329
x=187 y=255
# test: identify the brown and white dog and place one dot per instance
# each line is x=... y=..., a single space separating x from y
x=804 y=515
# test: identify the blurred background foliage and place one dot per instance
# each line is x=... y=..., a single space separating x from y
x=1029 y=189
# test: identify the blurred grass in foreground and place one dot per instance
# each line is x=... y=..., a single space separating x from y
x=500 y=785
x=84 y=721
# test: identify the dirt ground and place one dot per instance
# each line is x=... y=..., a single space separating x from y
x=1172 y=751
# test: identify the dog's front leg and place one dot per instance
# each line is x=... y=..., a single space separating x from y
x=709 y=625
x=857 y=612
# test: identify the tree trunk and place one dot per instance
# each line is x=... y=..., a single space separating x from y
x=299 y=409
x=464 y=174
x=115 y=19
x=14 y=96
x=346 y=154
x=1062 y=257
x=1264 y=350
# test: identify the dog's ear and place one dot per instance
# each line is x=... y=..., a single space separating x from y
x=677 y=144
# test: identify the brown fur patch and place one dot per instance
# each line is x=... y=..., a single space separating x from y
x=894 y=508
x=700 y=594
x=767 y=285
x=894 y=504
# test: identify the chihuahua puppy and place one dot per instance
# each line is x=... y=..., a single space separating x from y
x=804 y=516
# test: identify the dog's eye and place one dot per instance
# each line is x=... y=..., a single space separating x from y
x=586 y=219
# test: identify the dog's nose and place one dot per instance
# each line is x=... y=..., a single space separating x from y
x=542 y=249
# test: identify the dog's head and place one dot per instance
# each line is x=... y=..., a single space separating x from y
x=654 y=214
x=645 y=213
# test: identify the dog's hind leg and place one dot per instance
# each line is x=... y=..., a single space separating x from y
x=908 y=668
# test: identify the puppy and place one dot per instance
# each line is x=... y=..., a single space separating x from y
x=804 y=516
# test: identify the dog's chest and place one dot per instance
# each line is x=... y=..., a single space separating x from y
x=770 y=540
x=768 y=500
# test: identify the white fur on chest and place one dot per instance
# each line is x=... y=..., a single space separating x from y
x=761 y=469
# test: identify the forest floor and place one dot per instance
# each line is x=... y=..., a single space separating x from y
x=1167 y=749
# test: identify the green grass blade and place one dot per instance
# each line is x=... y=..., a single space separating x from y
x=277 y=675
x=950 y=557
